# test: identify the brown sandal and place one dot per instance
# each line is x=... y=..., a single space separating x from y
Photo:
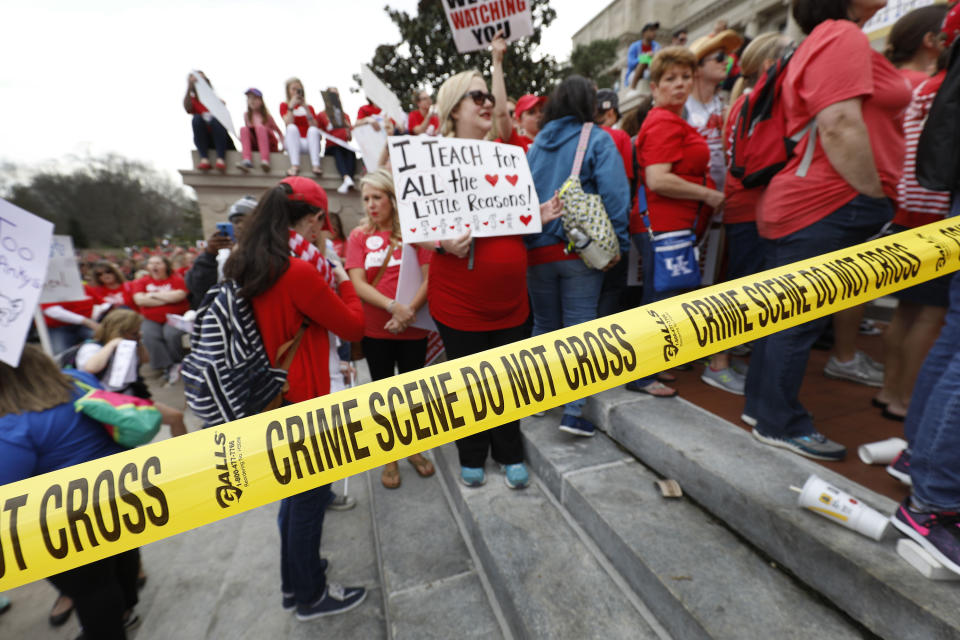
x=423 y=466
x=391 y=476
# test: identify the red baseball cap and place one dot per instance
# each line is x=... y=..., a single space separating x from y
x=951 y=25
x=528 y=102
x=306 y=190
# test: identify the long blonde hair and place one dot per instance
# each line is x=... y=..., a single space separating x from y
x=450 y=94
x=382 y=180
x=117 y=324
x=36 y=385
x=767 y=46
x=286 y=87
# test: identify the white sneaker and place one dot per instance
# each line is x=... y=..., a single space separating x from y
x=857 y=370
x=173 y=374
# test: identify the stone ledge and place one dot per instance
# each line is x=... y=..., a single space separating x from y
x=746 y=484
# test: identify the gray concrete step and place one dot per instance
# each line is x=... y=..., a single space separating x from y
x=223 y=580
x=431 y=585
x=548 y=579
x=746 y=485
x=699 y=579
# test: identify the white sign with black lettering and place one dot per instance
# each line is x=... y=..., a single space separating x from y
x=24 y=247
x=448 y=186
x=63 y=282
x=475 y=23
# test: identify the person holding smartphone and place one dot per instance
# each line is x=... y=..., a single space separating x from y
x=303 y=129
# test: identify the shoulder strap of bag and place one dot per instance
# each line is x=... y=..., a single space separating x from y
x=289 y=349
x=386 y=261
x=581 y=149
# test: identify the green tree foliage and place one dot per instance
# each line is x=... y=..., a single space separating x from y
x=108 y=201
x=426 y=54
x=594 y=61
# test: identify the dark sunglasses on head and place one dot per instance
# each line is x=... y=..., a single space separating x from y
x=479 y=97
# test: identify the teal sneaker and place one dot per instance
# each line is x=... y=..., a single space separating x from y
x=516 y=475
x=472 y=476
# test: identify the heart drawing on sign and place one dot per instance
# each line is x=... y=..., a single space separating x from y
x=485 y=223
x=452 y=226
x=433 y=228
x=503 y=222
x=492 y=180
x=526 y=220
x=467 y=226
x=512 y=179
x=413 y=230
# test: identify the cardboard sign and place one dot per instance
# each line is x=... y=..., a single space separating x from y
x=408 y=283
x=63 y=282
x=448 y=186
x=333 y=108
x=371 y=143
x=381 y=96
x=475 y=23
x=24 y=250
x=214 y=105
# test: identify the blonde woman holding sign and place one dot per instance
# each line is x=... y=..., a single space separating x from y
x=374 y=254
x=478 y=287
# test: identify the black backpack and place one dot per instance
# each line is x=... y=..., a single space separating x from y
x=938 y=151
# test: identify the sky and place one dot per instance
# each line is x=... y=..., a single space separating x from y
x=109 y=75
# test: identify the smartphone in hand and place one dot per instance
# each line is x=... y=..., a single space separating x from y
x=226 y=228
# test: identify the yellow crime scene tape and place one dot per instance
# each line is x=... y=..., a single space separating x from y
x=74 y=516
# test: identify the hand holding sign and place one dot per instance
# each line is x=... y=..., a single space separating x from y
x=453 y=188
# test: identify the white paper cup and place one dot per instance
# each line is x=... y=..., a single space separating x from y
x=882 y=452
x=840 y=507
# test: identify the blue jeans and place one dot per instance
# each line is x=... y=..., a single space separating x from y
x=211 y=134
x=301 y=525
x=932 y=426
x=563 y=294
x=744 y=250
x=62 y=338
x=779 y=361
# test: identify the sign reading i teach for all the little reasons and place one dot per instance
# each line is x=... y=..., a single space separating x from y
x=447 y=187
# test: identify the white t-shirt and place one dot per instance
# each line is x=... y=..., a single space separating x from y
x=112 y=379
x=707 y=119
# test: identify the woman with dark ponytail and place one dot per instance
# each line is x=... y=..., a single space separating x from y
x=289 y=292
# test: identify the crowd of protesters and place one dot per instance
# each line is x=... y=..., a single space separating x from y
x=856 y=114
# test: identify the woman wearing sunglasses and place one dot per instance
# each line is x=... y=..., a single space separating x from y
x=478 y=287
x=109 y=286
x=289 y=293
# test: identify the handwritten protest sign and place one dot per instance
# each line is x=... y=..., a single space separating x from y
x=24 y=247
x=381 y=95
x=214 y=104
x=475 y=23
x=333 y=108
x=63 y=281
x=371 y=143
x=448 y=186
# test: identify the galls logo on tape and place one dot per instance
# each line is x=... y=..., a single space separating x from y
x=670 y=333
x=232 y=468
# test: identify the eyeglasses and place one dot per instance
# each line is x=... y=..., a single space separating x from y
x=480 y=97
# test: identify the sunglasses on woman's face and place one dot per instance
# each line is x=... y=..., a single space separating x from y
x=721 y=56
x=480 y=97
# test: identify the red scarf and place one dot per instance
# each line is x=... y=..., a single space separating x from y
x=300 y=248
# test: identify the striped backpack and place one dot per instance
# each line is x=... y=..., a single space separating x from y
x=227 y=374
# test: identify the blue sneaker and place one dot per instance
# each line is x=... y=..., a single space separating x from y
x=900 y=468
x=472 y=476
x=937 y=532
x=289 y=601
x=335 y=599
x=814 y=445
x=516 y=475
x=577 y=426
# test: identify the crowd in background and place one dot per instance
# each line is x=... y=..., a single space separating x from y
x=666 y=168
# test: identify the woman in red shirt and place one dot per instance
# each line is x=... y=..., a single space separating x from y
x=158 y=294
x=478 y=287
x=853 y=100
x=674 y=164
x=303 y=133
x=286 y=294
x=109 y=286
x=374 y=254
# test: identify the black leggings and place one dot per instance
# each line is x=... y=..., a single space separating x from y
x=346 y=160
x=504 y=442
x=102 y=591
x=384 y=355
